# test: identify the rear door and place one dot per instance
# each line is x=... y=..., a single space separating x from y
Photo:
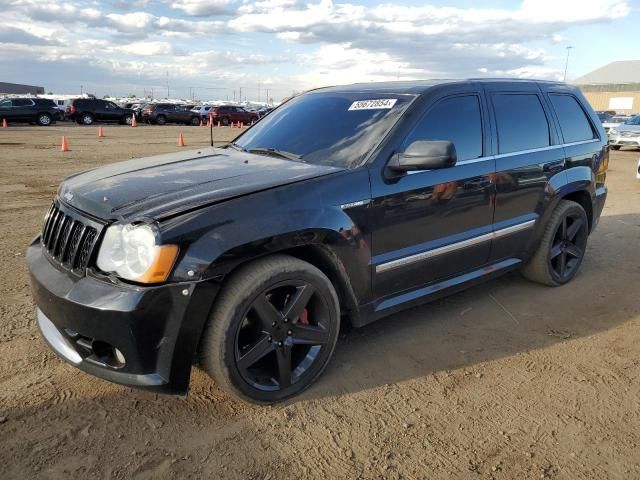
x=23 y=109
x=100 y=110
x=528 y=153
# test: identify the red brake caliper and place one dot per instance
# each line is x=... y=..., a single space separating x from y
x=304 y=317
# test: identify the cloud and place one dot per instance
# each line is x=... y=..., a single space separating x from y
x=293 y=43
x=202 y=8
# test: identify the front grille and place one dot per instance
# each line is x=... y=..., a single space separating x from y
x=629 y=134
x=69 y=239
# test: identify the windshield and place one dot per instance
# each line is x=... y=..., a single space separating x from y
x=617 y=119
x=633 y=121
x=333 y=128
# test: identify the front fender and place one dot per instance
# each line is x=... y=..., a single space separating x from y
x=329 y=212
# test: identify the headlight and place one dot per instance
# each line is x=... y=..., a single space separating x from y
x=133 y=253
x=613 y=131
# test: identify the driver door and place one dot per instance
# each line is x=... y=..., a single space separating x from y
x=432 y=225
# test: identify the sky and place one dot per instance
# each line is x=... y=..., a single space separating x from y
x=221 y=49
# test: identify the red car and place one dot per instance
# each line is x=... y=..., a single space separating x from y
x=227 y=114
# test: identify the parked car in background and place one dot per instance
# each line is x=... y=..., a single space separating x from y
x=202 y=111
x=626 y=134
x=228 y=114
x=29 y=110
x=161 y=113
x=614 y=121
x=346 y=204
x=604 y=116
x=88 y=110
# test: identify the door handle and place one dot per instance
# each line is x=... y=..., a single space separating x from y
x=552 y=166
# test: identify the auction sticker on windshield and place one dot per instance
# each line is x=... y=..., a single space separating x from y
x=383 y=103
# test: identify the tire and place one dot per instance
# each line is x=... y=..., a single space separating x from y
x=126 y=120
x=86 y=119
x=161 y=120
x=236 y=330
x=44 y=119
x=561 y=251
x=194 y=122
x=225 y=121
x=615 y=147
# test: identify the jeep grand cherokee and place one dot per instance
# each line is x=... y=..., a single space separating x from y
x=346 y=204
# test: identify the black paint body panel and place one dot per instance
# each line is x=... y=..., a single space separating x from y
x=223 y=208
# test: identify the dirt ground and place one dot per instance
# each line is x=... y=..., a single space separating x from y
x=509 y=380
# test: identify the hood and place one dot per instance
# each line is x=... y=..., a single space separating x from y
x=165 y=185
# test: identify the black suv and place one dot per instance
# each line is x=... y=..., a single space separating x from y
x=161 y=113
x=29 y=110
x=250 y=257
x=88 y=110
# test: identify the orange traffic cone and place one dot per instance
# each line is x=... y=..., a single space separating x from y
x=134 y=123
x=218 y=123
x=208 y=121
x=201 y=124
x=4 y=123
x=181 y=141
x=100 y=132
x=65 y=146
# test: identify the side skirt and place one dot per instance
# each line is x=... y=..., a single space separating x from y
x=434 y=291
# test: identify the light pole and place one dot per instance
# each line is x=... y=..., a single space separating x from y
x=566 y=63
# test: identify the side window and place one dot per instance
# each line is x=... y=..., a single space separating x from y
x=22 y=102
x=5 y=103
x=574 y=123
x=456 y=119
x=521 y=122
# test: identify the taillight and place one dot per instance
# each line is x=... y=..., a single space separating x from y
x=73 y=109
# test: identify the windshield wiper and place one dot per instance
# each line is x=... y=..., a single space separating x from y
x=276 y=153
x=235 y=146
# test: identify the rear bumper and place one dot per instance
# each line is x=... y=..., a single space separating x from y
x=154 y=329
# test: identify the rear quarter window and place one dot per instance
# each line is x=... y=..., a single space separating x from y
x=521 y=122
x=574 y=124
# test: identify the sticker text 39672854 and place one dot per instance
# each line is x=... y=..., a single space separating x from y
x=383 y=103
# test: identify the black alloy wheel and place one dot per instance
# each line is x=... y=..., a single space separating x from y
x=281 y=336
x=562 y=248
x=161 y=120
x=272 y=330
x=568 y=246
x=195 y=121
x=225 y=121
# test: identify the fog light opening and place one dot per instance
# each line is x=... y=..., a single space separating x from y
x=108 y=354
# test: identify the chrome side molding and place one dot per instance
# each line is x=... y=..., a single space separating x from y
x=419 y=257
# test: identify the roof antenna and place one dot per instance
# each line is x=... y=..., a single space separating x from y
x=211 y=129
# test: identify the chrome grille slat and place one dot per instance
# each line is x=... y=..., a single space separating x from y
x=69 y=239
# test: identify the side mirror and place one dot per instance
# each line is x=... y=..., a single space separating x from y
x=425 y=155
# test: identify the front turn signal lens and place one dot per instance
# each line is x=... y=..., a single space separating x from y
x=160 y=268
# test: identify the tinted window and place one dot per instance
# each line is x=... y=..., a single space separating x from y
x=456 y=119
x=573 y=122
x=22 y=102
x=521 y=122
x=328 y=128
x=633 y=121
x=5 y=103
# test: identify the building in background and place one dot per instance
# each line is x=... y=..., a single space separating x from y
x=615 y=86
x=18 y=89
